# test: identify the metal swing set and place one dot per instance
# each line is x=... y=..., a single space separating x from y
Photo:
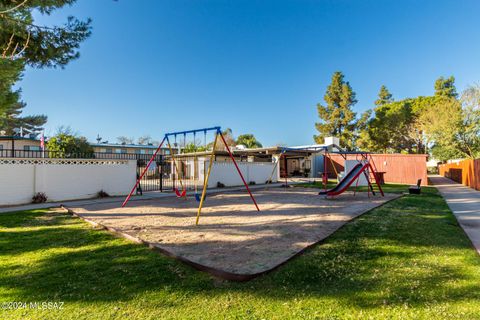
x=183 y=193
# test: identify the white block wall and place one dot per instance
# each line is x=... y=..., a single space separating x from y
x=16 y=183
x=226 y=173
x=63 y=179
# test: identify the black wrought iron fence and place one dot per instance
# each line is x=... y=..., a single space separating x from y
x=164 y=174
x=8 y=153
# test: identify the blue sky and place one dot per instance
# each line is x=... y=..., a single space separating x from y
x=260 y=67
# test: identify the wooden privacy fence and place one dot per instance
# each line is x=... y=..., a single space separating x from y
x=466 y=172
x=396 y=168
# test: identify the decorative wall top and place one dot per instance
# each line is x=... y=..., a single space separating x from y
x=68 y=162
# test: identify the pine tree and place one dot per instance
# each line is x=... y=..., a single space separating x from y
x=36 y=45
x=384 y=96
x=22 y=43
x=337 y=117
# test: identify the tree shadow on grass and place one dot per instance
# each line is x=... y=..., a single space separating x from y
x=29 y=231
x=389 y=256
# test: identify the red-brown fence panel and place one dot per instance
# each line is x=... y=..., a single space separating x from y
x=397 y=168
x=466 y=172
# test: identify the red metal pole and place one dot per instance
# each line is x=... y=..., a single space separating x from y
x=143 y=173
x=376 y=179
x=238 y=169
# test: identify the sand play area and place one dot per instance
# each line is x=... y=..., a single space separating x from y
x=233 y=239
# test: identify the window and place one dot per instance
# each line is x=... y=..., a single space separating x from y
x=31 y=148
x=139 y=151
x=118 y=150
x=308 y=164
x=1 y=147
x=108 y=150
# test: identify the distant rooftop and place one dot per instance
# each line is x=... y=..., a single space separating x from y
x=18 y=138
x=120 y=145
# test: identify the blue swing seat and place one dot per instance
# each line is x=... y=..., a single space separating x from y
x=198 y=197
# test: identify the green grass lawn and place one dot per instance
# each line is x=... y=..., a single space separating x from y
x=406 y=260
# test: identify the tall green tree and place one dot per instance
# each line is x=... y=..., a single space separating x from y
x=336 y=117
x=441 y=125
x=446 y=87
x=470 y=133
x=384 y=96
x=389 y=130
x=452 y=126
x=411 y=125
x=25 y=43
x=249 y=141
x=362 y=137
x=10 y=101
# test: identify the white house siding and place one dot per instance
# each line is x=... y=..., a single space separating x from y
x=226 y=173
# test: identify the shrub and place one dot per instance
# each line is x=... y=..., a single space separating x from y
x=306 y=173
x=102 y=194
x=432 y=170
x=39 y=197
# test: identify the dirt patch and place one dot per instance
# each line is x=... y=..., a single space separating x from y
x=232 y=236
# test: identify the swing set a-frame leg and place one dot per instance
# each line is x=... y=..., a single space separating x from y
x=143 y=172
x=205 y=181
x=239 y=172
x=209 y=171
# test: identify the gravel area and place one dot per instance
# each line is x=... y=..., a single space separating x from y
x=232 y=236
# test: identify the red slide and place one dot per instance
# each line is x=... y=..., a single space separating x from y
x=343 y=185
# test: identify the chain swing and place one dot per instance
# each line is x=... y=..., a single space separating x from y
x=183 y=193
x=198 y=196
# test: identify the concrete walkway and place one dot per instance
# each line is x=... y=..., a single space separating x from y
x=464 y=203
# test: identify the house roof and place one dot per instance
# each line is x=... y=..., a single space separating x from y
x=303 y=150
x=253 y=152
x=17 y=138
x=119 y=145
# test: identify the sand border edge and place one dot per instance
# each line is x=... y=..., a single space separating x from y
x=218 y=273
